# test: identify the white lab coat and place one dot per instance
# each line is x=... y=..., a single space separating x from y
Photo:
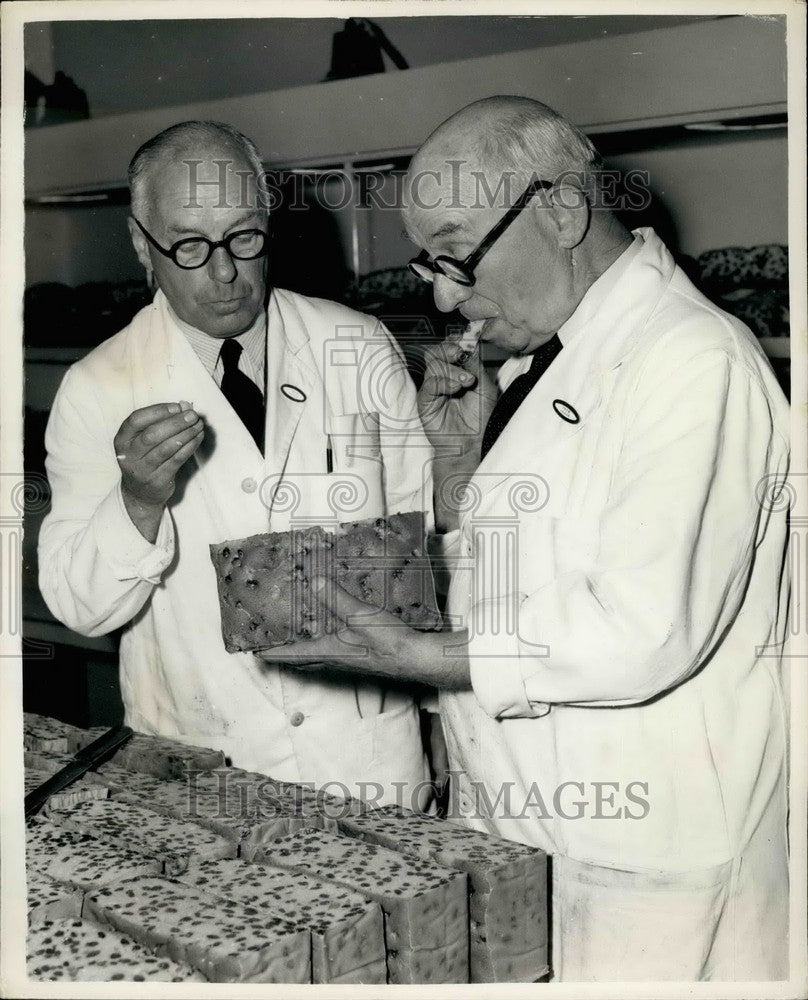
x=626 y=595
x=327 y=367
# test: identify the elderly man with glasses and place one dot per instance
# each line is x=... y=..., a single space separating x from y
x=611 y=687
x=210 y=417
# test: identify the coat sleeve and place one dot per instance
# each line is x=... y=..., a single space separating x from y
x=677 y=540
x=96 y=571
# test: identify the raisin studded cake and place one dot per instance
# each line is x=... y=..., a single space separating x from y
x=176 y=842
x=78 y=950
x=263 y=580
x=347 y=929
x=425 y=905
x=227 y=943
x=508 y=898
x=75 y=859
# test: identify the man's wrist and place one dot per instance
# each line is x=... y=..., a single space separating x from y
x=441 y=661
x=146 y=517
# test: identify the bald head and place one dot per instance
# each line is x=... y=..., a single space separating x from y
x=514 y=138
x=531 y=250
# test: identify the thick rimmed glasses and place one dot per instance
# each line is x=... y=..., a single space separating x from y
x=196 y=251
x=462 y=271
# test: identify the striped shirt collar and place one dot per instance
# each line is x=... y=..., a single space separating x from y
x=206 y=348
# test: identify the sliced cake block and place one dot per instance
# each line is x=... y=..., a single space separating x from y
x=83 y=790
x=425 y=906
x=301 y=806
x=33 y=779
x=308 y=801
x=227 y=943
x=78 y=951
x=82 y=738
x=120 y=779
x=302 y=799
x=85 y=862
x=347 y=930
x=383 y=562
x=43 y=733
x=263 y=584
x=49 y=761
x=176 y=842
x=49 y=899
x=213 y=799
x=43 y=837
x=508 y=898
x=263 y=591
x=165 y=758
x=269 y=808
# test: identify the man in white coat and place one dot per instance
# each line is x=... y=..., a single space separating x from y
x=612 y=690
x=149 y=463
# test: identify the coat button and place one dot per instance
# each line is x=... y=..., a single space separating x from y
x=296 y=718
x=249 y=485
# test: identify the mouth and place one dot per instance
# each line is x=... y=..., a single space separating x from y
x=227 y=305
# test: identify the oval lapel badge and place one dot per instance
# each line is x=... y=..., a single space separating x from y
x=566 y=411
x=293 y=392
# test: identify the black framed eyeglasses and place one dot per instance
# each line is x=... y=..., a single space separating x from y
x=462 y=271
x=196 y=251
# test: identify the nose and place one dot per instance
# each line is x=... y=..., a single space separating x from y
x=449 y=294
x=221 y=266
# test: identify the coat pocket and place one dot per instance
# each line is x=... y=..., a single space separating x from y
x=398 y=753
x=616 y=925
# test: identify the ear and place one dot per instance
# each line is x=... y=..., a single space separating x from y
x=140 y=243
x=571 y=213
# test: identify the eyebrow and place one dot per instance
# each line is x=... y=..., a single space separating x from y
x=190 y=230
x=447 y=229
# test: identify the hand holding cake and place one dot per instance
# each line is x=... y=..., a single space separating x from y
x=375 y=642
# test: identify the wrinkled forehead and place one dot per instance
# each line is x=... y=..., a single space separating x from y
x=193 y=181
x=455 y=196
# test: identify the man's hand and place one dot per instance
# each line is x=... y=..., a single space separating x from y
x=151 y=446
x=454 y=402
x=376 y=643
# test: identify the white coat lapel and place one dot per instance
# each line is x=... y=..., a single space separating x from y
x=553 y=413
x=293 y=384
x=595 y=340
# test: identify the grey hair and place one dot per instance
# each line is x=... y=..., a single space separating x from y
x=531 y=138
x=178 y=137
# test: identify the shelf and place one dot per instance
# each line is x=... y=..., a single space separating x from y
x=662 y=77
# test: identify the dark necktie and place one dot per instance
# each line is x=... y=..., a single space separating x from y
x=241 y=392
x=513 y=397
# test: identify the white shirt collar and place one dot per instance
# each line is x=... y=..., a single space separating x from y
x=598 y=291
x=207 y=348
